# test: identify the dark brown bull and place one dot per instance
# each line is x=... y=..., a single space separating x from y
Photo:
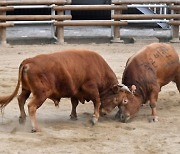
x=78 y=74
x=145 y=73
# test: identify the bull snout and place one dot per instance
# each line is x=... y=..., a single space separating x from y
x=123 y=117
x=103 y=112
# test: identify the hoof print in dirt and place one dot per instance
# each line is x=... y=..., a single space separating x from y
x=153 y=119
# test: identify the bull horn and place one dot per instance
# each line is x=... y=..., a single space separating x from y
x=123 y=87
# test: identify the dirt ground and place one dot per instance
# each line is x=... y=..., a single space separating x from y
x=61 y=135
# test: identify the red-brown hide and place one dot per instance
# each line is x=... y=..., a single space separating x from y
x=78 y=74
x=149 y=69
x=145 y=73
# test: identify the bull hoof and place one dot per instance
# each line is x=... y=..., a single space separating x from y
x=33 y=130
x=153 y=119
x=94 y=120
x=74 y=118
x=22 y=120
x=121 y=117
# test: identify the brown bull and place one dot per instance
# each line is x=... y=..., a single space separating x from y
x=145 y=73
x=78 y=74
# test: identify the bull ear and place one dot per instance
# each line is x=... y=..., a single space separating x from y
x=133 y=89
x=115 y=89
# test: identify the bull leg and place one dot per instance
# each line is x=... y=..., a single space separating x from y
x=74 y=103
x=177 y=80
x=91 y=90
x=33 y=105
x=153 y=104
x=97 y=104
x=21 y=101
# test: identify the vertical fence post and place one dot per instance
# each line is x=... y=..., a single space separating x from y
x=60 y=29
x=3 y=33
x=116 y=29
x=175 y=30
x=53 y=29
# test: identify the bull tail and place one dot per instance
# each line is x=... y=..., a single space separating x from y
x=5 y=100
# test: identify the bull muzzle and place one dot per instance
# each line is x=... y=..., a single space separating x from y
x=122 y=117
x=103 y=112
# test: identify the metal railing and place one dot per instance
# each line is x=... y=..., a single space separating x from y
x=172 y=19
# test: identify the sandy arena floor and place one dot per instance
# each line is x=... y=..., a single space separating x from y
x=61 y=135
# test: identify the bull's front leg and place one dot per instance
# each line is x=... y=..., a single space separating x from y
x=153 y=105
x=90 y=89
x=74 y=103
x=97 y=104
x=154 y=117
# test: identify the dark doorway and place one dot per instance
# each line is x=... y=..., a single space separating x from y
x=91 y=15
x=45 y=11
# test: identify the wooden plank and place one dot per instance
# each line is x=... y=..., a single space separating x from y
x=176 y=23
x=4 y=9
x=90 y=7
x=144 y=1
x=174 y=7
x=90 y=23
x=143 y=16
x=33 y=2
x=6 y=24
x=34 y=17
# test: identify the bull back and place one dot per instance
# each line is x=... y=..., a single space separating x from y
x=156 y=64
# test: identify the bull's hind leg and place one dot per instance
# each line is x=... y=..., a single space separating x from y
x=33 y=105
x=21 y=101
x=74 y=103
